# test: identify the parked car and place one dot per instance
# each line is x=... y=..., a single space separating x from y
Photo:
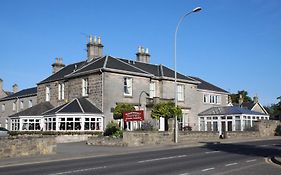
x=4 y=132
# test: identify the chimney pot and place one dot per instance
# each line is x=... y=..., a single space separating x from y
x=143 y=55
x=15 y=88
x=94 y=50
x=91 y=39
x=95 y=40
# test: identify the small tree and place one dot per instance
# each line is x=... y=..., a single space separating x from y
x=120 y=108
x=166 y=110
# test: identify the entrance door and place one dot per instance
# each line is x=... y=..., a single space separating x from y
x=229 y=126
x=223 y=126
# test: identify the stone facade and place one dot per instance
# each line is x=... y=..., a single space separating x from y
x=9 y=108
x=268 y=128
x=26 y=146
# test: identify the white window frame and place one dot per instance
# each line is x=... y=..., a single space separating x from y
x=218 y=99
x=61 y=91
x=21 y=104
x=180 y=92
x=128 y=86
x=206 y=98
x=152 y=89
x=14 y=106
x=47 y=93
x=85 y=87
x=30 y=103
x=212 y=99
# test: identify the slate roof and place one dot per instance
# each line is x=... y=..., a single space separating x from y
x=23 y=93
x=63 y=72
x=78 y=105
x=228 y=110
x=35 y=110
x=208 y=86
x=109 y=63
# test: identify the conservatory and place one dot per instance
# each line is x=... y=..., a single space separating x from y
x=77 y=115
x=229 y=118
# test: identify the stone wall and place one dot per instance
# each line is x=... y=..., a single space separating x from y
x=242 y=134
x=267 y=127
x=141 y=138
x=71 y=138
x=197 y=136
x=105 y=141
x=11 y=147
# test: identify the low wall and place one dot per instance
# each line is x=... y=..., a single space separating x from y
x=192 y=136
x=242 y=134
x=140 y=138
x=72 y=138
x=268 y=128
x=11 y=147
x=105 y=141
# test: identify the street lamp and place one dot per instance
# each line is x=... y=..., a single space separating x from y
x=197 y=9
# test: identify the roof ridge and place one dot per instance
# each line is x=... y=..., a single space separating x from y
x=105 y=62
x=161 y=70
x=64 y=106
x=80 y=106
x=84 y=66
x=131 y=65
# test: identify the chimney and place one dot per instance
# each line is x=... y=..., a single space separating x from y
x=143 y=55
x=256 y=99
x=58 y=65
x=15 y=88
x=240 y=100
x=94 y=49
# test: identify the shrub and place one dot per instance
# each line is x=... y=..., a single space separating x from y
x=278 y=130
x=112 y=129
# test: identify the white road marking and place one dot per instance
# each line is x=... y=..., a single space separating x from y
x=185 y=174
x=231 y=164
x=252 y=160
x=207 y=169
x=210 y=152
x=77 y=171
x=162 y=158
x=264 y=145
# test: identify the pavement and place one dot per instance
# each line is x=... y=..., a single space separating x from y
x=79 y=150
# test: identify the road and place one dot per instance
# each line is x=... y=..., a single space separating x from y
x=213 y=158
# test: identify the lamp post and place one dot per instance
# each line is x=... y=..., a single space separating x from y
x=197 y=9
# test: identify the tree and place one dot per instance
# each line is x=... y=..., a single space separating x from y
x=235 y=97
x=166 y=110
x=120 y=108
x=274 y=110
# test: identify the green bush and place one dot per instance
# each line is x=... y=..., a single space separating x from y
x=112 y=129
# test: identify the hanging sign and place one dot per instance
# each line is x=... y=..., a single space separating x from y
x=133 y=116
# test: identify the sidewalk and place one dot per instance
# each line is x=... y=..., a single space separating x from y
x=78 y=150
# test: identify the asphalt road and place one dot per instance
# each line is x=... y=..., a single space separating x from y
x=231 y=159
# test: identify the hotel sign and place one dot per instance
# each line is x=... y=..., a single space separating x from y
x=133 y=116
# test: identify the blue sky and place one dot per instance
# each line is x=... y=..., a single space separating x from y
x=234 y=44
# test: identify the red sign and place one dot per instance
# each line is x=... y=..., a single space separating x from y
x=133 y=116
